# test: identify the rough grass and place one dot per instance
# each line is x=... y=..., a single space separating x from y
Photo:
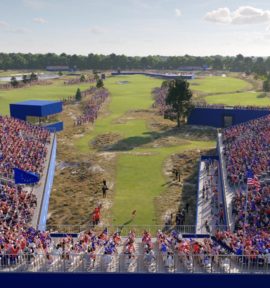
x=245 y=98
x=217 y=84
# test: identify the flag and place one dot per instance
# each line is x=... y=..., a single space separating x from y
x=24 y=177
x=253 y=180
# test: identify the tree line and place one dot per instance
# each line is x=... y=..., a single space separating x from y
x=239 y=63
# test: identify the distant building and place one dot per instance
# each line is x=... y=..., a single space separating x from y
x=60 y=68
x=185 y=76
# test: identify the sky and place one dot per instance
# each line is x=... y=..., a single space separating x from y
x=136 y=27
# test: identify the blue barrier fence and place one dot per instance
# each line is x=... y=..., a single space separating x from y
x=135 y=280
x=157 y=75
x=55 y=127
x=215 y=116
x=48 y=188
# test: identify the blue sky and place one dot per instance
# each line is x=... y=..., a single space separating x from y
x=136 y=27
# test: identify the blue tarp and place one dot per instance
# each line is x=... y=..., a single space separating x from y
x=24 y=177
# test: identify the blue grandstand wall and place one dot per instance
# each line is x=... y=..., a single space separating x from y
x=38 y=108
x=48 y=188
x=215 y=117
x=55 y=127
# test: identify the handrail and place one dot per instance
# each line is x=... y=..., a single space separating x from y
x=43 y=192
x=223 y=183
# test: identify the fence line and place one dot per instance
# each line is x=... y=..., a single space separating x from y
x=125 y=229
x=135 y=263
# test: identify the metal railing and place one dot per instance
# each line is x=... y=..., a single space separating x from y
x=125 y=229
x=135 y=263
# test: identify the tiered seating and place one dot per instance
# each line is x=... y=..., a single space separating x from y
x=22 y=145
x=246 y=148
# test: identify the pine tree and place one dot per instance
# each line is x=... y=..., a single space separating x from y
x=78 y=95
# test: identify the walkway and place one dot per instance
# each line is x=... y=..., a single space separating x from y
x=210 y=201
x=38 y=189
x=228 y=191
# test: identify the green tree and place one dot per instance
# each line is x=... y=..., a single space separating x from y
x=14 y=82
x=25 y=79
x=96 y=77
x=100 y=83
x=60 y=73
x=78 y=95
x=33 y=77
x=266 y=85
x=179 y=98
x=82 y=78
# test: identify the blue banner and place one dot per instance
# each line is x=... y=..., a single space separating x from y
x=24 y=177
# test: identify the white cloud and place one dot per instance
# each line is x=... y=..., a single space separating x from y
x=242 y=15
x=178 y=12
x=221 y=15
x=39 y=20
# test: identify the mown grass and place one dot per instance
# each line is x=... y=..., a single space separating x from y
x=55 y=91
x=243 y=99
x=140 y=179
x=217 y=84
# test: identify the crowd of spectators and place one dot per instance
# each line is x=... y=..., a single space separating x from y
x=236 y=107
x=92 y=107
x=246 y=148
x=159 y=95
x=22 y=146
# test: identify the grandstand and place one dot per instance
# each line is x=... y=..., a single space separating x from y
x=182 y=75
x=231 y=233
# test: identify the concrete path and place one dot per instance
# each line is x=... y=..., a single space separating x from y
x=38 y=189
x=228 y=191
x=210 y=199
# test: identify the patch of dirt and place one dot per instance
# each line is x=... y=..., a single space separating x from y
x=177 y=194
x=167 y=142
x=105 y=140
